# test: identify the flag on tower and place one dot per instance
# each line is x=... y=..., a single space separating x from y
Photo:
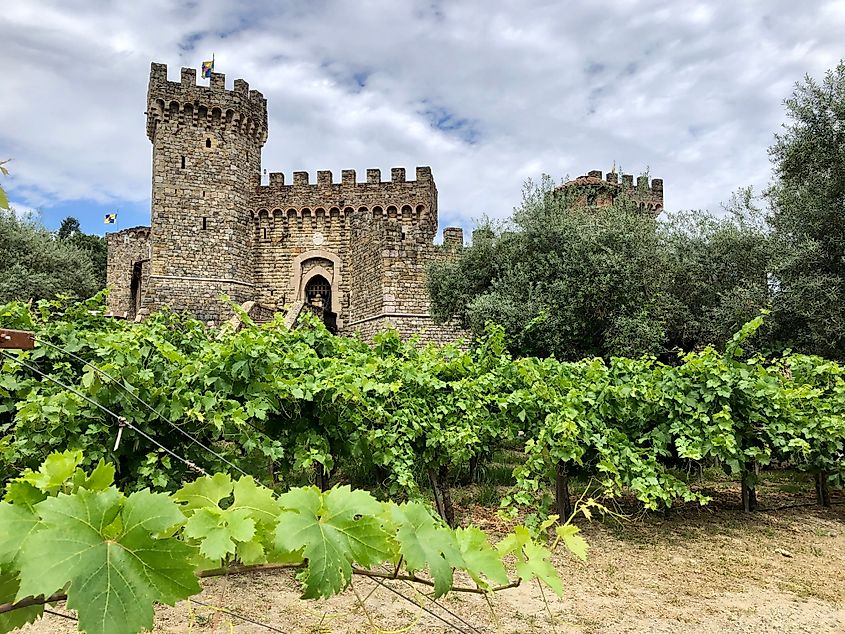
x=110 y=219
x=208 y=68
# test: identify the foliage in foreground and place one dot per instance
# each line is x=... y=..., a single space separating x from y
x=68 y=534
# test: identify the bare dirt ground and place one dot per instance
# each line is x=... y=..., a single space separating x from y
x=711 y=570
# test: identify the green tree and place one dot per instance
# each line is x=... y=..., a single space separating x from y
x=808 y=214
x=94 y=246
x=563 y=279
x=69 y=228
x=34 y=264
x=4 y=199
x=717 y=271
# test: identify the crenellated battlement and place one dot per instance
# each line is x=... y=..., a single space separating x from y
x=595 y=190
x=240 y=110
x=281 y=209
x=348 y=178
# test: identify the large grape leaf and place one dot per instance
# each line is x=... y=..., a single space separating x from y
x=480 y=560
x=205 y=491
x=16 y=618
x=100 y=547
x=532 y=559
x=576 y=544
x=423 y=543
x=332 y=530
x=101 y=478
x=258 y=500
x=56 y=469
x=535 y=563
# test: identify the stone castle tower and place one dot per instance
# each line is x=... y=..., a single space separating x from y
x=354 y=252
x=357 y=251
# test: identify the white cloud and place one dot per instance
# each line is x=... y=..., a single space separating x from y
x=691 y=92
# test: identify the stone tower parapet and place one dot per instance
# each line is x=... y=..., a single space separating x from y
x=595 y=191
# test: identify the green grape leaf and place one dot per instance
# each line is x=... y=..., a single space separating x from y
x=576 y=544
x=24 y=494
x=54 y=471
x=17 y=523
x=218 y=530
x=480 y=558
x=251 y=552
x=100 y=479
x=424 y=543
x=514 y=542
x=204 y=492
x=16 y=618
x=257 y=500
x=332 y=530
x=535 y=563
x=99 y=546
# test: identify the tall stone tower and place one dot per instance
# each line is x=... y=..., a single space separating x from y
x=206 y=165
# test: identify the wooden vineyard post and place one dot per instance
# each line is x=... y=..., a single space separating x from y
x=16 y=339
x=442 y=496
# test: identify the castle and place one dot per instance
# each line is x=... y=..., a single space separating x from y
x=355 y=251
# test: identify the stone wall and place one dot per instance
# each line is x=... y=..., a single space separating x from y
x=126 y=248
x=409 y=326
x=301 y=223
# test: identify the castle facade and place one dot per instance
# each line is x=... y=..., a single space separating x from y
x=354 y=252
x=357 y=251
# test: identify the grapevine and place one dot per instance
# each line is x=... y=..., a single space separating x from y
x=70 y=535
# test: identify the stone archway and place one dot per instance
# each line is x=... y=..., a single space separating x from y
x=317 y=262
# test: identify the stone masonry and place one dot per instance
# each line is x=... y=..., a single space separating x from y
x=356 y=249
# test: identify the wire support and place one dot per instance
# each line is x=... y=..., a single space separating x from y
x=246 y=619
x=429 y=611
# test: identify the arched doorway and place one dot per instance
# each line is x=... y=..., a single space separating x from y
x=318 y=292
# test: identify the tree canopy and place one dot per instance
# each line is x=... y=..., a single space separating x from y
x=569 y=279
x=35 y=264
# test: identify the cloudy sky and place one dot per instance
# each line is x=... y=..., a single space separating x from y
x=488 y=93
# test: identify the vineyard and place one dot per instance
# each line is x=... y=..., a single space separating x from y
x=251 y=439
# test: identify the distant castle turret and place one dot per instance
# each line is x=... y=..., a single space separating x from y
x=592 y=191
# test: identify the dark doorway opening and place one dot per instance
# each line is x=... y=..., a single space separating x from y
x=318 y=293
x=135 y=291
x=318 y=299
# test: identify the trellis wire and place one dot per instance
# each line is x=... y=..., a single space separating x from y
x=142 y=401
x=120 y=419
